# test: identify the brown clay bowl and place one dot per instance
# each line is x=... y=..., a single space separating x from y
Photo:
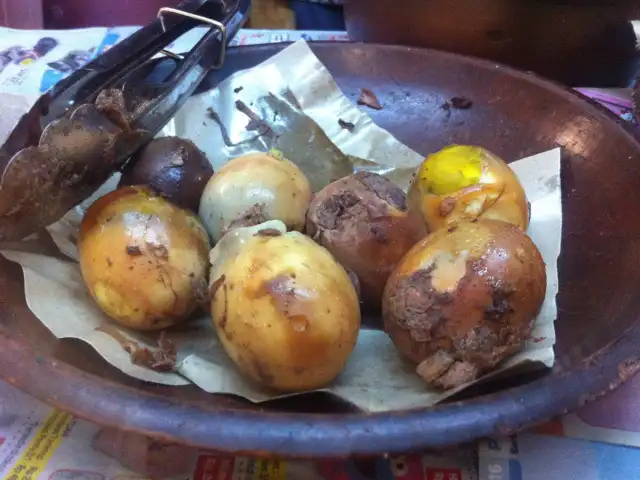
x=514 y=114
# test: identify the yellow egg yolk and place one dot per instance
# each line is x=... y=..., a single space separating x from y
x=451 y=170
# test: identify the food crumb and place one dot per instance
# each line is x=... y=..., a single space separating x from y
x=238 y=89
x=458 y=103
x=133 y=250
x=269 y=232
x=163 y=359
x=369 y=99
x=349 y=126
x=537 y=339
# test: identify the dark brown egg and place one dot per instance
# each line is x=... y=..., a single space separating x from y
x=174 y=167
x=464 y=299
x=363 y=220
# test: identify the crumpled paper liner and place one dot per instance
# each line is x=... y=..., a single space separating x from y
x=299 y=105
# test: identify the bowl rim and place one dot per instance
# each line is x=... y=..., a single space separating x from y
x=298 y=435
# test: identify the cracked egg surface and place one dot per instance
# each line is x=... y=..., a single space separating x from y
x=363 y=220
x=464 y=299
x=285 y=311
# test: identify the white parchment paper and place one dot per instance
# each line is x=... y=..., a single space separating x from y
x=299 y=103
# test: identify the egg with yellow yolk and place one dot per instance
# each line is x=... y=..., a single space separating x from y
x=463 y=182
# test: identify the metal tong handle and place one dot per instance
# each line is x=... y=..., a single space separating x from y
x=171 y=93
x=128 y=61
x=121 y=62
x=89 y=125
x=223 y=30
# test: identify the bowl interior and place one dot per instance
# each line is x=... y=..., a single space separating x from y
x=514 y=114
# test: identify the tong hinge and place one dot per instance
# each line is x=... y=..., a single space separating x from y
x=223 y=31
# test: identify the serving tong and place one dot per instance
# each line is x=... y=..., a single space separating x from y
x=88 y=125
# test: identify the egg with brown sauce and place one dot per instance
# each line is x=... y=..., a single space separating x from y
x=464 y=299
x=285 y=311
x=143 y=259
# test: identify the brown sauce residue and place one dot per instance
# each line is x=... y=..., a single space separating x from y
x=263 y=372
x=447 y=206
x=299 y=308
x=158 y=250
x=254 y=215
x=333 y=208
x=213 y=290
x=215 y=286
x=291 y=301
x=269 y=232
x=384 y=189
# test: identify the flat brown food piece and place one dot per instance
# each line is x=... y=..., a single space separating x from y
x=162 y=359
x=369 y=99
x=255 y=122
